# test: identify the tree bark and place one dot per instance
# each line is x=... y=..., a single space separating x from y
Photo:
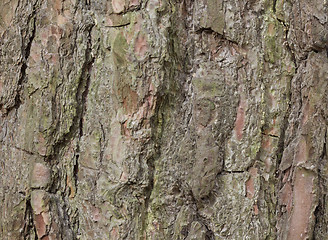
x=131 y=119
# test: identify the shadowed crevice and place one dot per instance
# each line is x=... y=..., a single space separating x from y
x=26 y=49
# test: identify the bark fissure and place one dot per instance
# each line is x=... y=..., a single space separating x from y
x=156 y=138
x=102 y=143
x=28 y=220
x=270 y=135
x=222 y=37
x=199 y=217
x=274 y=6
x=320 y=209
x=81 y=98
x=119 y=26
x=234 y=171
x=148 y=191
x=26 y=151
x=25 y=56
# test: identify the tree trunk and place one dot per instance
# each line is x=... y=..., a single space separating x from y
x=130 y=119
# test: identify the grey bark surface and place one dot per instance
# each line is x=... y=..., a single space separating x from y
x=160 y=119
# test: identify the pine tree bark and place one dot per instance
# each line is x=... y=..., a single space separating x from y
x=131 y=119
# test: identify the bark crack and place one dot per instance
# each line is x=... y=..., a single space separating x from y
x=322 y=192
x=75 y=131
x=157 y=123
x=233 y=171
x=285 y=123
x=270 y=135
x=102 y=143
x=28 y=220
x=27 y=151
x=81 y=99
x=274 y=6
x=200 y=218
x=149 y=190
x=25 y=56
x=209 y=30
x=118 y=26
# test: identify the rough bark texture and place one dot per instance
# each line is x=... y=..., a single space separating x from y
x=163 y=119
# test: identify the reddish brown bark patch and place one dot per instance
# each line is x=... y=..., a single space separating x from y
x=118 y=6
x=133 y=3
x=71 y=187
x=40 y=225
x=40 y=175
x=39 y=201
x=285 y=197
x=256 y=209
x=42 y=145
x=271 y=29
x=266 y=143
x=306 y=113
x=130 y=99
x=250 y=187
x=240 y=119
x=141 y=46
x=303 y=202
x=114 y=233
x=96 y=214
x=302 y=154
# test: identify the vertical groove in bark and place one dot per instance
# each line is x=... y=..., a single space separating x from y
x=81 y=96
x=320 y=224
x=26 y=48
x=28 y=227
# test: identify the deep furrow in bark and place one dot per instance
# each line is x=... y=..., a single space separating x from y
x=25 y=56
